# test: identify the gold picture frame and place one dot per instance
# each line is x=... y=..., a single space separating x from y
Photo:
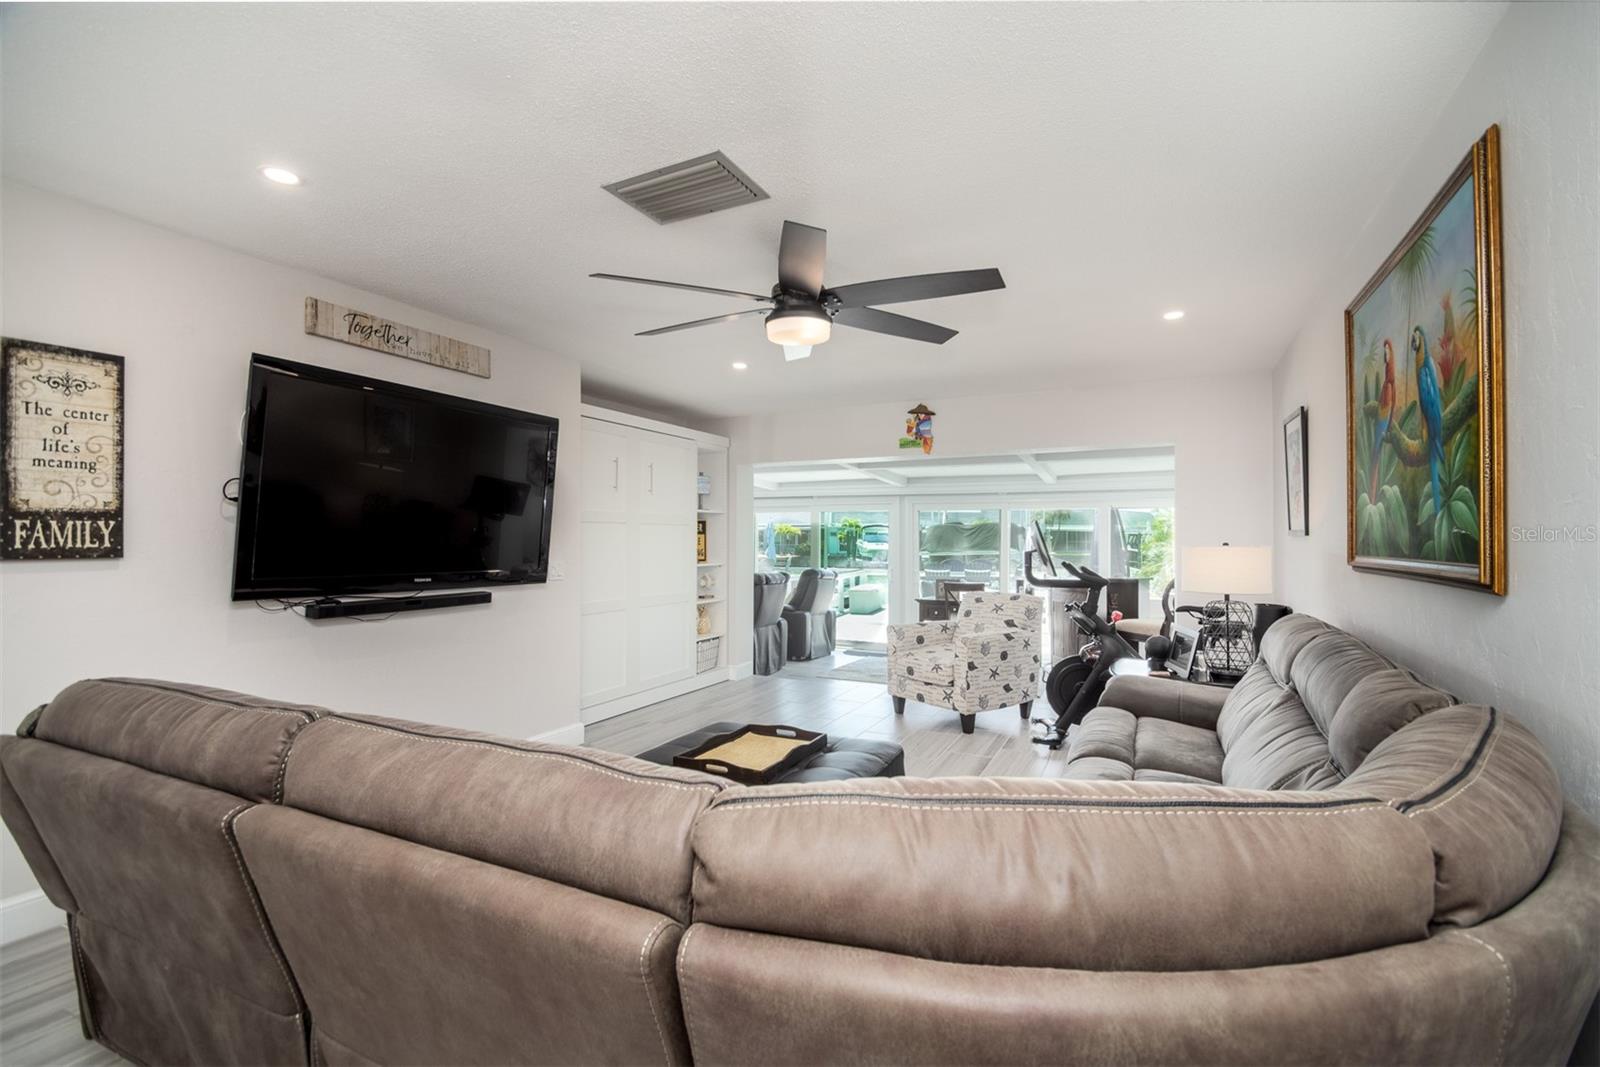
x=1425 y=414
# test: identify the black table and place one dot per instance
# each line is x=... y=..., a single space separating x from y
x=845 y=757
x=1141 y=668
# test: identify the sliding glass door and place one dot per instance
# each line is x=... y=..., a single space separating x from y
x=855 y=543
x=958 y=545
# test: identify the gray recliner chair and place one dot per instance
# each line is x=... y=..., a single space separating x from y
x=771 y=631
x=810 y=614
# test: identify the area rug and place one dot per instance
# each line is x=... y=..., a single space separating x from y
x=863 y=668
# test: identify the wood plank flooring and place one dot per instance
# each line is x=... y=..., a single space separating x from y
x=802 y=695
x=39 y=1007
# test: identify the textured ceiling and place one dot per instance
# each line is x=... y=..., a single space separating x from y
x=1113 y=160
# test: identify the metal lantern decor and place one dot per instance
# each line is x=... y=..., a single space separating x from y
x=1226 y=630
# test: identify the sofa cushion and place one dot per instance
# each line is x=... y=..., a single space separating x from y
x=1104 y=733
x=411 y=955
x=1163 y=745
x=1275 y=747
x=228 y=741
x=991 y=871
x=1266 y=732
x=1097 y=769
x=1378 y=705
x=1170 y=776
x=1283 y=641
x=1482 y=790
x=1327 y=669
x=560 y=813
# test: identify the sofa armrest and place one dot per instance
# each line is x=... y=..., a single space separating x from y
x=1189 y=703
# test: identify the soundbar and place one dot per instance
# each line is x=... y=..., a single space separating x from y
x=340 y=609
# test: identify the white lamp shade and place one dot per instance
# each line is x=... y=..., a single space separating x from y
x=1234 y=570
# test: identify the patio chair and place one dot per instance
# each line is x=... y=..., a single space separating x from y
x=809 y=614
x=772 y=633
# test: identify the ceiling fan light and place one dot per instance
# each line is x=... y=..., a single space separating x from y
x=794 y=352
x=798 y=327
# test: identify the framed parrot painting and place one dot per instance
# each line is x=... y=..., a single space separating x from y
x=1425 y=407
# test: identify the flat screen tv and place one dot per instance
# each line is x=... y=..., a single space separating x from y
x=354 y=485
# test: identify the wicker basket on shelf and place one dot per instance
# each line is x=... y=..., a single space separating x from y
x=706 y=651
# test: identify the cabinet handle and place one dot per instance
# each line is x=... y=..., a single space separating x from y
x=616 y=468
x=652 y=478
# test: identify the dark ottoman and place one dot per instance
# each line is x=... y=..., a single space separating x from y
x=845 y=757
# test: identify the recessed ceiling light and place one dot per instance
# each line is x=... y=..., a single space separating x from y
x=741 y=366
x=1173 y=316
x=280 y=175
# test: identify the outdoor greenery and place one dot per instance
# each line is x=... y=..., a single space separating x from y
x=849 y=533
x=1155 y=549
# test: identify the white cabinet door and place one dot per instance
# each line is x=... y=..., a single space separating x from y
x=638 y=575
x=605 y=469
x=663 y=474
x=603 y=638
x=663 y=526
x=664 y=595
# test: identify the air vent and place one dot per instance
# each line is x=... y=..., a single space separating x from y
x=696 y=186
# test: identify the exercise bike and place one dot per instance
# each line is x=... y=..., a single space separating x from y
x=1075 y=683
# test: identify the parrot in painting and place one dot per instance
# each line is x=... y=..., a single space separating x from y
x=1385 y=414
x=1431 y=402
x=1448 y=356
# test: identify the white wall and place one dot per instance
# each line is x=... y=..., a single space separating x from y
x=1535 y=653
x=1218 y=427
x=187 y=315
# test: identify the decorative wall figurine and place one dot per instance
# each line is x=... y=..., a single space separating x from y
x=60 y=452
x=919 y=429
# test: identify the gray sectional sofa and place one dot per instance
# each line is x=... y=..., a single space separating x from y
x=1333 y=863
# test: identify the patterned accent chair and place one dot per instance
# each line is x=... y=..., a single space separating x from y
x=987 y=657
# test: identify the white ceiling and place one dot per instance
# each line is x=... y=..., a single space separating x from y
x=1113 y=160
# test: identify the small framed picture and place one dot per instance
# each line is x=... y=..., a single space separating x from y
x=1185 y=643
x=1296 y=467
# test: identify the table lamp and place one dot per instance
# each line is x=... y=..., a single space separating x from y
x=1229 y=570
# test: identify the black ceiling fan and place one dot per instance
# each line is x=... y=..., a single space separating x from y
x=800 y=311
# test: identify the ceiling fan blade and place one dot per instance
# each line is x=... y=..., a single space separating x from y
x=917 y=287
x=801 y=254
x=681 y=285
x=704 y=322
x=898 y=325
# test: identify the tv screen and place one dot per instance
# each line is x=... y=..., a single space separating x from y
x=354 y=485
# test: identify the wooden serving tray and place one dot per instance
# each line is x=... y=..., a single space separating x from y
x=755 y=754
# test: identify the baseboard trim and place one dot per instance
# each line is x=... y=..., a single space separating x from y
x=570 y=734
x=741 y=670
x=27 y=914
x=607 y=709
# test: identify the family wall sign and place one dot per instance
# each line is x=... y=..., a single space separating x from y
x=60 y=452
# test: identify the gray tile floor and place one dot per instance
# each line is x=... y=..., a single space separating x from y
x=802 y=695
x=39 y=1008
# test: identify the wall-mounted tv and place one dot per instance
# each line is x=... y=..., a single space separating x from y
x=354 y=485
